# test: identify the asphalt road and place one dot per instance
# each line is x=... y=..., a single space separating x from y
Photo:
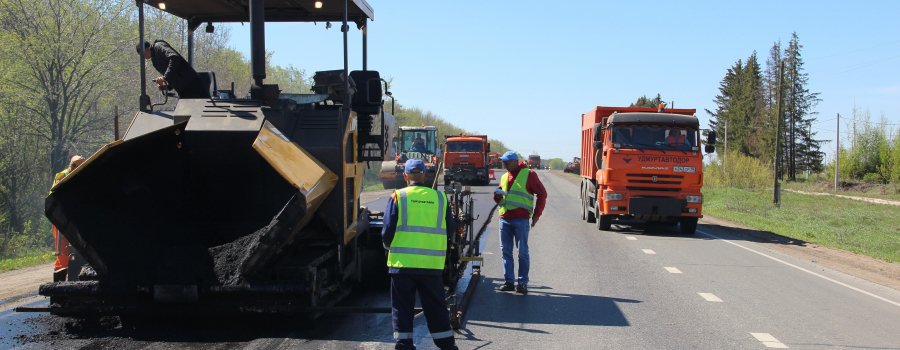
x=642 y=287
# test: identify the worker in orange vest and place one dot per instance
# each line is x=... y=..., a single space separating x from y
x=675 y=138
x=60 y=243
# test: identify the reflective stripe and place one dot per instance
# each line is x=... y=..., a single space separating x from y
x=523 y=194
x=418 y=251
x=442 y=335
x=440 y=218
x=403 y=213
x=402 y=335
x=518 y=205
x=423 y=229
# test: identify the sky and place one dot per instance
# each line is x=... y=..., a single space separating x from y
x=524 y=71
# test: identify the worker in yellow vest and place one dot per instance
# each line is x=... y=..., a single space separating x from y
x=521 y=196
x=60 y=243
x=417 y=224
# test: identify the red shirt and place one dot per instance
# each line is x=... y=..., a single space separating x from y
x=534 y=187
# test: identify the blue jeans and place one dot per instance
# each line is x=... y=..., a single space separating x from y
x=510 y=231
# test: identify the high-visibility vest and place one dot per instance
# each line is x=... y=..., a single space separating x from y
x=675 y=140
x=517 y=196
x=421 y=237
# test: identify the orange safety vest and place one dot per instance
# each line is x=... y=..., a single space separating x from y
x=675 y=141
x=59 y=241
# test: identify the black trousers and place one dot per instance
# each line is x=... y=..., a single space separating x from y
x=430 y=288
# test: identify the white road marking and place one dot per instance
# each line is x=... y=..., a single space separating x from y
x=672 y=269
x=631 y=238
x=769 y=341
x=710 y=297
x=802 y=269
x=648 y=251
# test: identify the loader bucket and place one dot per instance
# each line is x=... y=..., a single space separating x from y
x=206 y=202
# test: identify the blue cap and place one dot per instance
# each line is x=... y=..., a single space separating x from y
x=414 y=166
x=509 y=155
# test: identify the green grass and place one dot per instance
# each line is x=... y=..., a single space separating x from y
x=373 y=187
x=881 y=191
x=860 y=227
x=25 y=261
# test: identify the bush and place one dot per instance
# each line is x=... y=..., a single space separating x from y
x=737 y=170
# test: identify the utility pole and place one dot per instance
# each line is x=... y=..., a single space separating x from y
x=116 y=124
x=837 y=152
x=776 y=196
x=725 y=155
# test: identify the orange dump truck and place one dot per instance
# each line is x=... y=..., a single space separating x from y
x=642 y=164
x=494 y=160
x=466 y=159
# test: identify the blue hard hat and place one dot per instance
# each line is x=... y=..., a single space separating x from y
x=509 y=155
x=414 y=166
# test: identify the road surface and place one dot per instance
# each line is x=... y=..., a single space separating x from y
x=642 y=287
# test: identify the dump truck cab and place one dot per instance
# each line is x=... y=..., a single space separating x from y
x=466 y=159
x=642 y=164
x=494 y=160
x=230 y=205
x=534 y=161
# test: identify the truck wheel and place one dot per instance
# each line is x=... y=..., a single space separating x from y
x=604 y=222
x=583 y=203
x=688 y=226
x=591 y=213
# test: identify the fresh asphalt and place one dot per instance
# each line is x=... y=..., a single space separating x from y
x=643 y=287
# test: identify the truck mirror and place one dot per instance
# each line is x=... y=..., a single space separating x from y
x=598 y=144
x=710 y=148
x=598 y=128
x=711 y=138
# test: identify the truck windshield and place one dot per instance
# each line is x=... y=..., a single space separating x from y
x=464 y=146
x=654 y=137
x=418 y=141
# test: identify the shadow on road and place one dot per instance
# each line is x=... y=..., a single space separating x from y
x=726 y=232
x=542 y=306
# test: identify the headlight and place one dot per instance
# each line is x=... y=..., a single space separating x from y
x=612 y=196
x=694 y=199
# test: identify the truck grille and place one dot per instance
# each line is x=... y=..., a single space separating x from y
x=660 y=179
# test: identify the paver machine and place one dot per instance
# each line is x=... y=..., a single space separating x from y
x=230 y=205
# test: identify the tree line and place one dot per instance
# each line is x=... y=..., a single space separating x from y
x=768 y=113
x=68 y=68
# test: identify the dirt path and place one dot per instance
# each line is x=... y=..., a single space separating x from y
x=24 y=281
x=864 y=199
x=871 y=269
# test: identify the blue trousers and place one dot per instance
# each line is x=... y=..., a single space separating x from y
x=515 y=231
x=430 y=288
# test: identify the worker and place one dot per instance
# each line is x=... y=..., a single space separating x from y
x=516 y=198
x=675 y=138
x=417 y=224
x=176 y=73
x=60 y=243
x=419 y=144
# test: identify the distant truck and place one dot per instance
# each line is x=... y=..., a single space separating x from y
x=642 y=164
x=494 y=160
x=466 y=159
x=574 y=166
x=534 y=161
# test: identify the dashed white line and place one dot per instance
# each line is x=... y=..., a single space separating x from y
x=710 y=297
x=802 y=269
x=648 y=251
x=631 y=238
x=672 y=269
x=769 y=341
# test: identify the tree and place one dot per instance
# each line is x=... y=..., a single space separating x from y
x=644 y=101
x=66 y=50
x=803 y=149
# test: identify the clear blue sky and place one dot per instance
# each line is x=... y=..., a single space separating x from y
x=524 y=71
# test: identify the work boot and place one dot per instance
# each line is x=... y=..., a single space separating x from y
x=404 y=345
x=506 y=287
x=522 y=289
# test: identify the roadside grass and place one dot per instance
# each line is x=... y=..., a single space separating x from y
x=859 y=227
x=35 y=258
x=373 y=187
x=868 y=190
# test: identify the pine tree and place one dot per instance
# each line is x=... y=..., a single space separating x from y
x=803 y=149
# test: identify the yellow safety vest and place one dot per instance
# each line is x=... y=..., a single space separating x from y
x=421 y=237
x=517 y=196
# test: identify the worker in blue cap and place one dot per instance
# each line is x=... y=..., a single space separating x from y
x=417 y=224
x=521 y=196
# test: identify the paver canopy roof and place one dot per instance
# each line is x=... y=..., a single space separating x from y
x=276 y=10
